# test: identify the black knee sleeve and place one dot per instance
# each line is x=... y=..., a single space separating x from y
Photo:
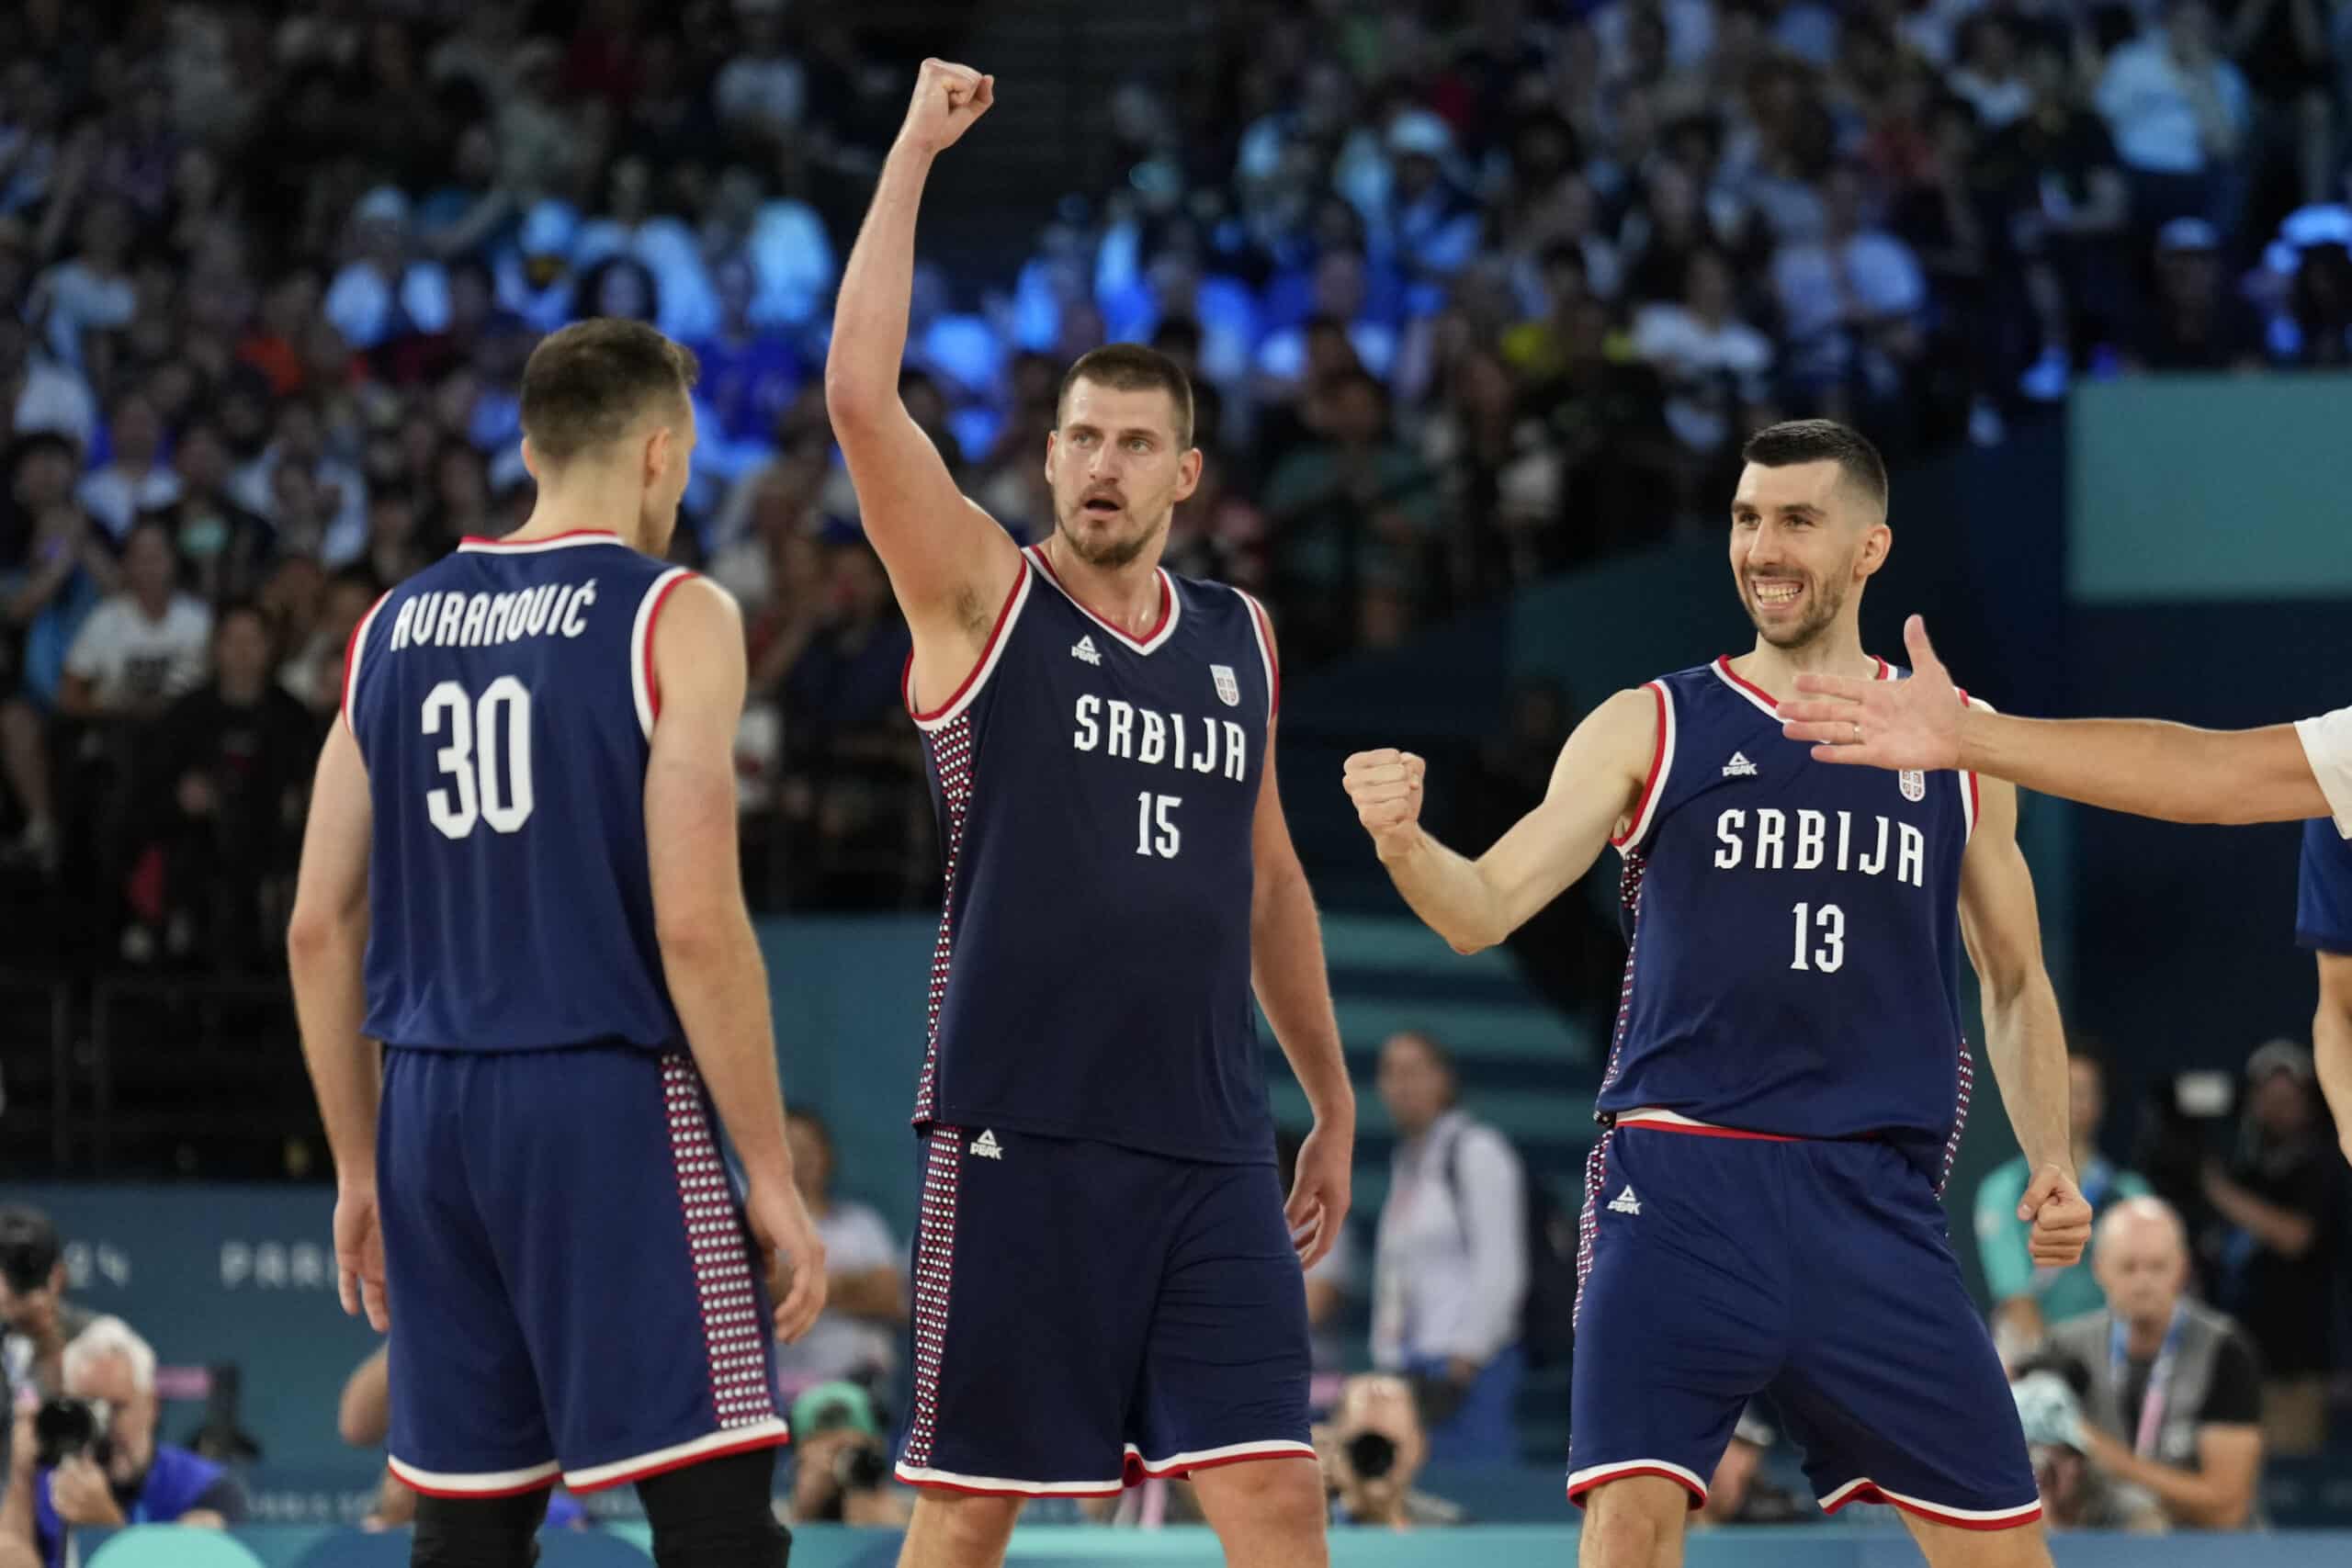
x=716 y=1515
x=479 y=1532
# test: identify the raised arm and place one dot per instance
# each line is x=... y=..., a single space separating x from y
x=2002 y=928
x=1598 y=785
x=2142 y=766
x=717 y=979
x=949 y=563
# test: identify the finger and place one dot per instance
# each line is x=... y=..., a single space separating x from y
x=1923 y=652
x=1820 y=710
x=984 y=94
x=1851 y=756
x=1372 y=759
x=1326 y=1236
x=379 y=1303
x=1301 y=1207
x=346 y=1285
x=801 y=1304
x=1823 y=732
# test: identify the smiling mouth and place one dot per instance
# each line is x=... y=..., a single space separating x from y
x=1776 y=593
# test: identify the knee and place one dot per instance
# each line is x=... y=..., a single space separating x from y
x=479 y=1532
x=1626 y=1522
x=976 y=1525
x=717 y=1514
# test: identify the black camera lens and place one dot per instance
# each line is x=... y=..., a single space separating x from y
x=860 y=1468
x=1371 y=1454
x=64 y=1428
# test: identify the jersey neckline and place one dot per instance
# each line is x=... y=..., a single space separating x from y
x=1170 y=606
x=564 y=541
x=1758 y=696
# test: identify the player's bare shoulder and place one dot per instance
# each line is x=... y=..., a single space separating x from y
x=1619 y=737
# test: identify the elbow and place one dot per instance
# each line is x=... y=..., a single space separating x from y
x=856 y=395
x=312 y=934
x=695 y=938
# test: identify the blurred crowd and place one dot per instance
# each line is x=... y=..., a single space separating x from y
x=1474 y=291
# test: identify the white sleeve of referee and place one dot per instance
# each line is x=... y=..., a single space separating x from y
x=2327 y=746
x=1493 y=1209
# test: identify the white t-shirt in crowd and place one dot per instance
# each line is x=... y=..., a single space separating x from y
x=2144 y=95
x=2327 y=746
x=837 y=1345
x=128 y=658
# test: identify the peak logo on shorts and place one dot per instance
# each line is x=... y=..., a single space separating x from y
x=986 y=1146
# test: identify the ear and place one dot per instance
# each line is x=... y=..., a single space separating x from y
x=1878 y=543
x=1187 y=472
x=657 y=454
x=1053 y=446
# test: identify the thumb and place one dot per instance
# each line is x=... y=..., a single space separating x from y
x=1923 y=652
x=2037 y=1191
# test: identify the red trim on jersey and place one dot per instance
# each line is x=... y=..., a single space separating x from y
x=653 y=619
x=1868 y=1492
x=481 y=543
x=1707 y=1131
x=350 y=645
x=906 y=673
x=1266 y=636
x=1167 y=600
x=1976 y=801
x=1698 y=1494
x=1657 y=764
x=1744 y=683
x=765 y=1441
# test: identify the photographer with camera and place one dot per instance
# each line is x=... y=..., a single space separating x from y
x=36 y=1320
x=89 y=1456
x=1371 y=1452
x=840 y=1467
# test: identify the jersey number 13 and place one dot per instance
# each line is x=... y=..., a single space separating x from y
x=474 y=793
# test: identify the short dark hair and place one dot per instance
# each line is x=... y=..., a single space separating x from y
x=1794 y=441
x=29 y=1248
x=583 y=385
x=1132 y=367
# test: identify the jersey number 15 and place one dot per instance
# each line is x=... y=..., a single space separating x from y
x=474 y=794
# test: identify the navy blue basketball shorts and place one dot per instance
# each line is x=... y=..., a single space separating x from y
x=1817 y=1273
x=573 y=1291
x=1088 y=1314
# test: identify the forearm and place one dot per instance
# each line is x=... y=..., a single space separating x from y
x=1447 y=892
x=867 y=1292
x=2190 y=1497
x=719 y=988
x=1293 y=988
x=346 y=1068
x=17 y=1509
x=870 y=310
x=2148 y=767
x=2280 y=1230
x=2332 y=1053
x=2027 y=1044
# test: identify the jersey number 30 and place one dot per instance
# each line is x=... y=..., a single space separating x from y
x=474 y=794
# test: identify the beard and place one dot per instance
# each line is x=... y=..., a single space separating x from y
x=1822 y=605
x=1106 y=552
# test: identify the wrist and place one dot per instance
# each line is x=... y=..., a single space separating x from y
x=1334 y=1107
x=1399 y=845
x=909 y=150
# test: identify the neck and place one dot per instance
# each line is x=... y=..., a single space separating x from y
x=2145 y=1336
x=581 y=504
x=1838 y=650
x=153 y=604
x=1127 y=596
x=241 y=694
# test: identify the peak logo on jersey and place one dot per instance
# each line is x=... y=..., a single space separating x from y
x=1914 y=782
x=1739 y=767
x=986 y=1146
x=1084 y=649
x=1227 y=688
x=1625 y=1203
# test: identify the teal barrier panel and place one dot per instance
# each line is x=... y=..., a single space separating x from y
x=1489 y=1546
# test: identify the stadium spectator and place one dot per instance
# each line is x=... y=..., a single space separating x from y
x=2075 y=1495
x=2197 y=322
x=227 y=549
x=1372 y=1451
x=136 y=480
x=856 y=1339
x=2273 y=1256
x=36 y=1320
x=144 y=646
x=1333 y=1282
x=2173 y=1399
x=1449 y=1266
x=222 y=774
x=2026 y=1300
x=2180 y=112
x=122 y=1473
x=841 y=1463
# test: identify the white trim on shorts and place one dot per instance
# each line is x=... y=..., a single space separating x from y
x=1209 y=1459
x=1966 y=1519
x=730 y=1440
x=1585 y=1480
x=486 y=1483
x=992 y=1486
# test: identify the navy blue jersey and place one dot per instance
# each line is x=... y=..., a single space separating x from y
x=2323 y=890
x=1794 y=932
x=1095 y=794
x=504 y=702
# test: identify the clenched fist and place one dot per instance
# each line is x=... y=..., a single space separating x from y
x=1386 y=788
x=948 y=98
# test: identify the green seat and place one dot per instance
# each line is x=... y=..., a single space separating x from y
x=169 y=1546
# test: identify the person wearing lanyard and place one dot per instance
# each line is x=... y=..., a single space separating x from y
x=2175 y=1403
